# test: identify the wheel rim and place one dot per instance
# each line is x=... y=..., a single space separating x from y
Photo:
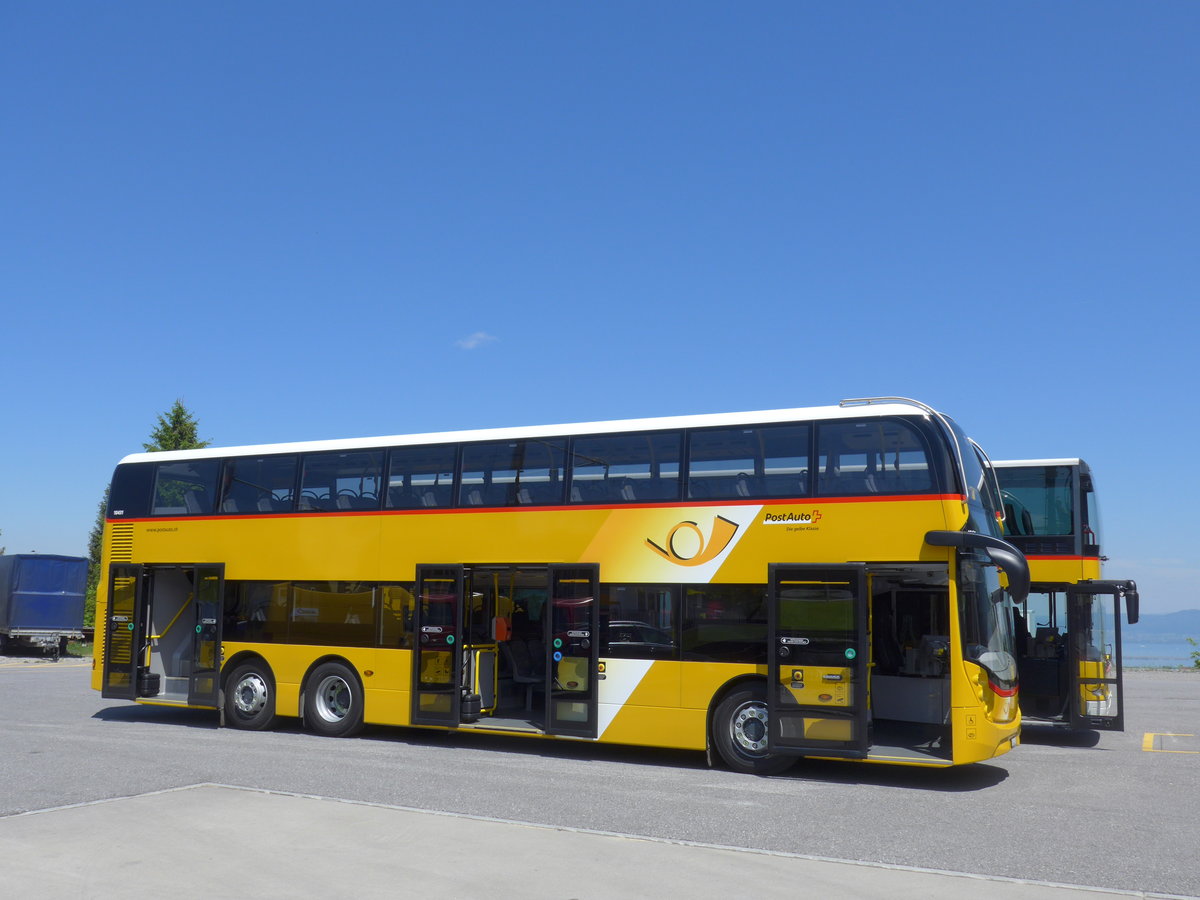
x=250 y=695
x=748 y=728
x=334 y=699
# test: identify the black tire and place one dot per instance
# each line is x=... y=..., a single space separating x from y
x=250 y=697
x=333 y=701
x=739 y=732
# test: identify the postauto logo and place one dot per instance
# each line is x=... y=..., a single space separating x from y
x=686 y=544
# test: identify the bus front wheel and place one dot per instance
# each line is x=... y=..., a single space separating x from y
x=739 y=732
x=250 y=698
x=333 y=701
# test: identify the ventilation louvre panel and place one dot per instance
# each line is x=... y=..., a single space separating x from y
x=121 y=549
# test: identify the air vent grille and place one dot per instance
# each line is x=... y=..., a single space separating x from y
x=122 y=543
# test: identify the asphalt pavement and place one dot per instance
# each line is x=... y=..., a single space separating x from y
x=218 y=841
x=104 y=799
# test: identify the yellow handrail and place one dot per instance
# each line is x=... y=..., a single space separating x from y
x=186 y=604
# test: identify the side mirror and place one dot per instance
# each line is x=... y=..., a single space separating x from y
x=1131 y=604
x=1002 y=553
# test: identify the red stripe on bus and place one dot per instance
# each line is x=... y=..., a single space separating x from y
x=460 y=510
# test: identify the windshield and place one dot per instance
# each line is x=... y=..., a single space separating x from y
x=982 y=503
x=1091 y=517
x=989 y=497
x=1038 y=500
x=986 y=622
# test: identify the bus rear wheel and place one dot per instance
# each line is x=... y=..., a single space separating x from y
x=250 y=698
x=739 y=733
x=333 y=701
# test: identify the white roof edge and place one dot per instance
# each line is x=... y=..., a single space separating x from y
x=801 y=414
x=1010 y=463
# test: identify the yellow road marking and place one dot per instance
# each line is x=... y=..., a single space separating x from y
x=42 y=664
x=1152 y=742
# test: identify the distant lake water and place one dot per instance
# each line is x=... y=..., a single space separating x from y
x=1155 y=650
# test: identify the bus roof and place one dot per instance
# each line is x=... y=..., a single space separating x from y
x=711 y=420
x=1014 y=463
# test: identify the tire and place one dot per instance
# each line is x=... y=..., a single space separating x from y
x=739 y=732
x=250 y=697
x=333 y=701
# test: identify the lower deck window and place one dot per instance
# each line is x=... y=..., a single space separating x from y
x=725 y=623
x=699 y=623
x=638 y=621
x=332 y=613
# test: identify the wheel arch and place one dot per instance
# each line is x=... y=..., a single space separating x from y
x=244 y=656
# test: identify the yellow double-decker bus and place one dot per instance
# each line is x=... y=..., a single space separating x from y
x=1068 y=630
x=761 y=586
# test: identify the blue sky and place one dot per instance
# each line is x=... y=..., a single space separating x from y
x=335 y=220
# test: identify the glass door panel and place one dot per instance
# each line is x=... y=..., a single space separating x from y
x=1094 y=661
x=817 y=687
x=437 y=653
x=125 y=633
x=572 y=650
x=208 y=594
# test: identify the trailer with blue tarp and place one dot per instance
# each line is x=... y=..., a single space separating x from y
x=41 y=600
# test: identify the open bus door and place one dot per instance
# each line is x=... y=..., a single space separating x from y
x=573 y=650
x=817 y=660
x=124 y=634
x=208 y=594
x=1094 y=653
x=437 y=653
x=163 y=633
x=453 y=663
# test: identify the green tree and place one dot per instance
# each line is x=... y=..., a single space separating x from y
x=176 y=429
x=95 y=539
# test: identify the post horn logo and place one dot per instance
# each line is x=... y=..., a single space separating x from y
x=723 y=531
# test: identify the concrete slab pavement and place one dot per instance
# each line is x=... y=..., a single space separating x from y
x=217 y=841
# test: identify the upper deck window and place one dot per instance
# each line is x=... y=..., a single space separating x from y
x=185 y=488
x=513 y=473
x=421 y=477
x=1038 y=500
x=880 y=456
x=768 y=461
x=1091 y=516
x=341 y=481
x=132 y=485
x=258 y=484
x=625 y=468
